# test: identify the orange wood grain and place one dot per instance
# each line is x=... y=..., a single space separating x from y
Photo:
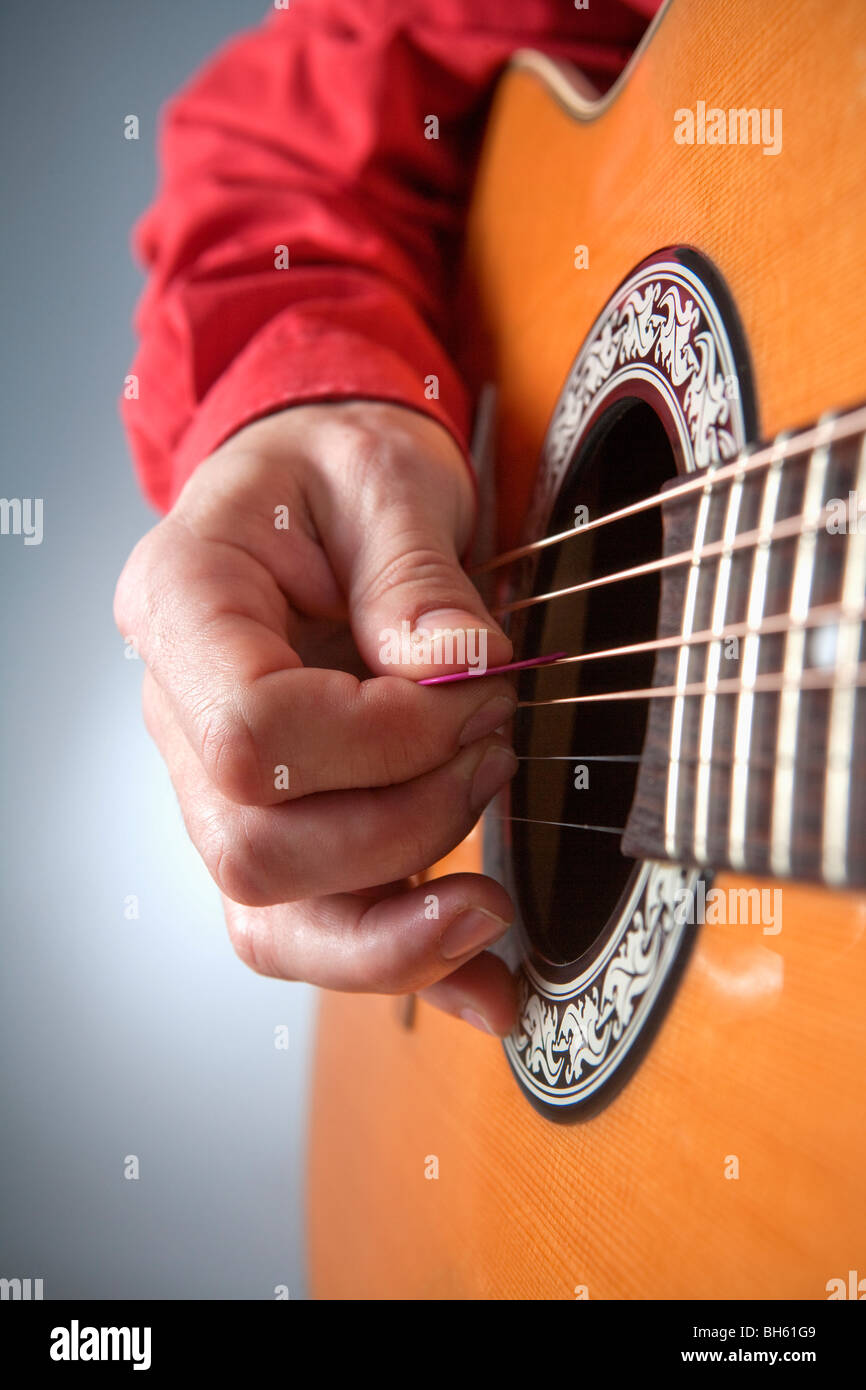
x=762 y=1053
x=760 y=1056
x=786 y=231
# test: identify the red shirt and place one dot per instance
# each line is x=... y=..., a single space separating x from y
x=309 y=134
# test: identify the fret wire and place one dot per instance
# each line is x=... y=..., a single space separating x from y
x=843 y=708
x=757 y=538
x=701 y=825
x=781 y=819
x=567 y=824
x=848 y=425
x=738 y=805
x=675 y=740
x=813 y=678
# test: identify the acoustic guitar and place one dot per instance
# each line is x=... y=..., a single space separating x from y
x=663 y=290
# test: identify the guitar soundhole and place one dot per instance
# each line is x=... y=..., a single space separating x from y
x=579 y=761
x=660 y=387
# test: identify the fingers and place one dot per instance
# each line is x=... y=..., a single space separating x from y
x=333 y=841
x=482 y=992
x=394 y=545
x=264 y=728
x=205 y=616
x=295 y=733
x=431 y=939
x=305 y=790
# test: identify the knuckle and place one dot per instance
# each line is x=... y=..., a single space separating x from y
x=251 y=938
x=376 y=447
x=417 y=566
x=229 y=754
x=234 y=863
x=137 y=599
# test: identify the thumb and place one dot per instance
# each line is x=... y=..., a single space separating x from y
x=414 y=611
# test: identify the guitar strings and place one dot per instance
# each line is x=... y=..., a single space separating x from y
x=720 y=760
x=567 y=824
x=790 y=527
x=822 y=616
x=816 y=436
x=813 y=678
x=755 y=765
x=577 y=758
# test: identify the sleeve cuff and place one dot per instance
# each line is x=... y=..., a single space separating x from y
x=297 y=359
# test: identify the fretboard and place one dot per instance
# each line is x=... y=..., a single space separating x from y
x=755 y=754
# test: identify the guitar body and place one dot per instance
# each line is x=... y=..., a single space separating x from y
x=730 y=1163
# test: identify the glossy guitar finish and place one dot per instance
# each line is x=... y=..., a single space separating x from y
x=758 y=1064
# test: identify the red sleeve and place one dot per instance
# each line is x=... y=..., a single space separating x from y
x=311 y=134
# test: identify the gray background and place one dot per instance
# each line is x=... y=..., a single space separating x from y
x=119 y=1037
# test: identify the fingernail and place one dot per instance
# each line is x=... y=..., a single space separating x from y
x=471 y=931
x=485 y=641
x=488 y=718
x=496 y=768
x=443 y=618
x=470 y=1016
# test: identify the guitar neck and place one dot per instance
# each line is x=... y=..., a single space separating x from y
x=756 y=738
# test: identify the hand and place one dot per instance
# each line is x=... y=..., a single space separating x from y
x=313 y=782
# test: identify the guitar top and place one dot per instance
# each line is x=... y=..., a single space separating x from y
x=662 y=287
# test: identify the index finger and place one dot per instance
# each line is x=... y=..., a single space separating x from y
x=212 y=626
